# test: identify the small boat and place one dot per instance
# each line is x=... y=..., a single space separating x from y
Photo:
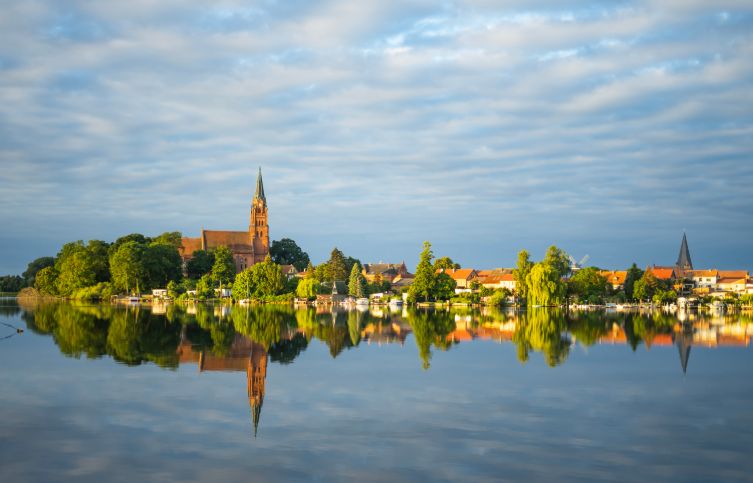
x=396 y=302
x=362 y=301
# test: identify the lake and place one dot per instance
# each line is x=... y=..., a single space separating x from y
x=214 y=393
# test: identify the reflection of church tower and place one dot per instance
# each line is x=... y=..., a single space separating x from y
x=256 y=373
x=684 y=341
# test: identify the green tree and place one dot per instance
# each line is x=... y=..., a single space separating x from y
x=267 y=278
x=545 y=287
x=633 y=275
x=172 y=238
x=357 y=283
x=646 y=287
x=100 y=259
x=336 y=266
x=444 y=287
x=558 y=259
x=173 y=289
x=588 y=285
x=205 y=287
x=163 y=264
x=223 y=270
x=128 y=267
x=200 y=263
x=243 y=287
x=11 y=283
x=45 y=281
x=287 y=252
x=75 y=270
x=34 y=267
x=307 y=288
x=424 y=282
x=522 y=269
x=446 y=263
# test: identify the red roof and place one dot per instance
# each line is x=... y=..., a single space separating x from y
x=662 y=273
x=458 y=273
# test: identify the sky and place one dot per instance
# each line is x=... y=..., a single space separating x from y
x=485 y=127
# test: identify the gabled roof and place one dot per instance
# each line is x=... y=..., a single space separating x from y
x=458 y=273
x=703 y=273
x=494 y=279
x=662 y=273
x=230 y=239
x=732 y=280
x=382 y=267
x=288 y=269
x=615 y=277
x=733 y=274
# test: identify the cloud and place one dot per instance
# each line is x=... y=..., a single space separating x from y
x=380 y=124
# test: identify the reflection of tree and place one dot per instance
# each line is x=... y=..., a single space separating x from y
x=430 y=327
x=78 y=333
x=286 y=351
x=542 y=330
x=136 y=336
x=588 y=327
x=645 y=327
x=332 y=328
x=354 y=326
x=262 y=324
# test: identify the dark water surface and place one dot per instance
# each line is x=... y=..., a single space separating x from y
x=102 y=393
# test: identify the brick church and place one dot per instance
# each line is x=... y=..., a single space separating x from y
x=248 y=247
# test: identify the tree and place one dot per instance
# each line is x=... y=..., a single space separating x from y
x=307 y=288
x=128 y=267
x=446 y=263
x=558 y=259
x=544 y=285
x=100 y=259
x=173 y=289
x=444 y=287
x=267 y=278
x=163 y=264
x=588 y=284
x=243 y=287
x=34 y=267
x=287 y=252
x=633 y=275
x=223 y=269
x=76 y=269
x=45 y=281
x=647 y=286
x=200 y=263
x=11 y=283
x=357 y=283
x=172 y=238
x=337 y=267
x=205 y=287
x=423 y=284
x=521 y=272
x=135 y=237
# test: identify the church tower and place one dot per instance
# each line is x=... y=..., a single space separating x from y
x=683 y=259
x=258 y=228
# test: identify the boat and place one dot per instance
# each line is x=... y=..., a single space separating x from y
x=362 y=301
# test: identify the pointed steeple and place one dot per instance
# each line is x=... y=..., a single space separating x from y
x=683 y=259
x=259 y=194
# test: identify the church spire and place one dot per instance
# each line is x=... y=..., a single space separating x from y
x=259 y=194
x=683 y=259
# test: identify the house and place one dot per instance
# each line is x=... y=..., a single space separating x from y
x=159 y=293
x=400 y=282
x=338 y=294
x=615 y=278
x=289 y=271
x=223 y=293
x=704 y=278
x=506 y=280
x=732 y=284
x=662 y=273
x=462 y=276
x=380 y=272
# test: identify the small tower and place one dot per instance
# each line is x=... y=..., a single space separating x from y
x=683 y=259
x=258 y=228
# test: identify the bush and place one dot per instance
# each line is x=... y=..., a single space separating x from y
x=101 y=291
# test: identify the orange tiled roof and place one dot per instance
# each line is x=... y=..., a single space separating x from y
x=189 y=245
x=732 y=280
x=733 y=274
x=703 y=273
x=215 y=238
x=457 y=273
x=615 y=277
x=662 y=273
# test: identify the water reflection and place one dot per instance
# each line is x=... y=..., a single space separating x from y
x=225 y=338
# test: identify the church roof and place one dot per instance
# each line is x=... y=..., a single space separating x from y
x=259 y=194
x=683 y=259
x=230 y=239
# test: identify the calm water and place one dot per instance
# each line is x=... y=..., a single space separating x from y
x=101 y=393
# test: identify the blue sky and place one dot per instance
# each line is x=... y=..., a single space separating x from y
x=606 y=128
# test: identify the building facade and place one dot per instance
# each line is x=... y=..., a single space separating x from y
x=248 y=247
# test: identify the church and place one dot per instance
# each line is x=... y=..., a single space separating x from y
x=248 y=247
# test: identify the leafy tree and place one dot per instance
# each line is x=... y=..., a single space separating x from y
x=76 y=270
x=173 y=289
x=444 y=287
x=201 y=263
x=633 y=275
x=446 y=263
x=558 y=259
x=163 y=264
x=521 y=272
x=223 y=269
x=287 y=252
x=11 y=283
x=336 y=266
x=588 y=284
x=243 y=287
x=100 y=259
x=646 y=287
x=357 y=283
x=423 y=284
x=267 y=278
x=45 y=281
x=34 y=267
x=133 y=237
x=307 y=288
x=205 y=287
x=545 y=287
x=172 y=238
x=128 y=267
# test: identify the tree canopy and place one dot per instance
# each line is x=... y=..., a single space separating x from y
x=287 y=252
